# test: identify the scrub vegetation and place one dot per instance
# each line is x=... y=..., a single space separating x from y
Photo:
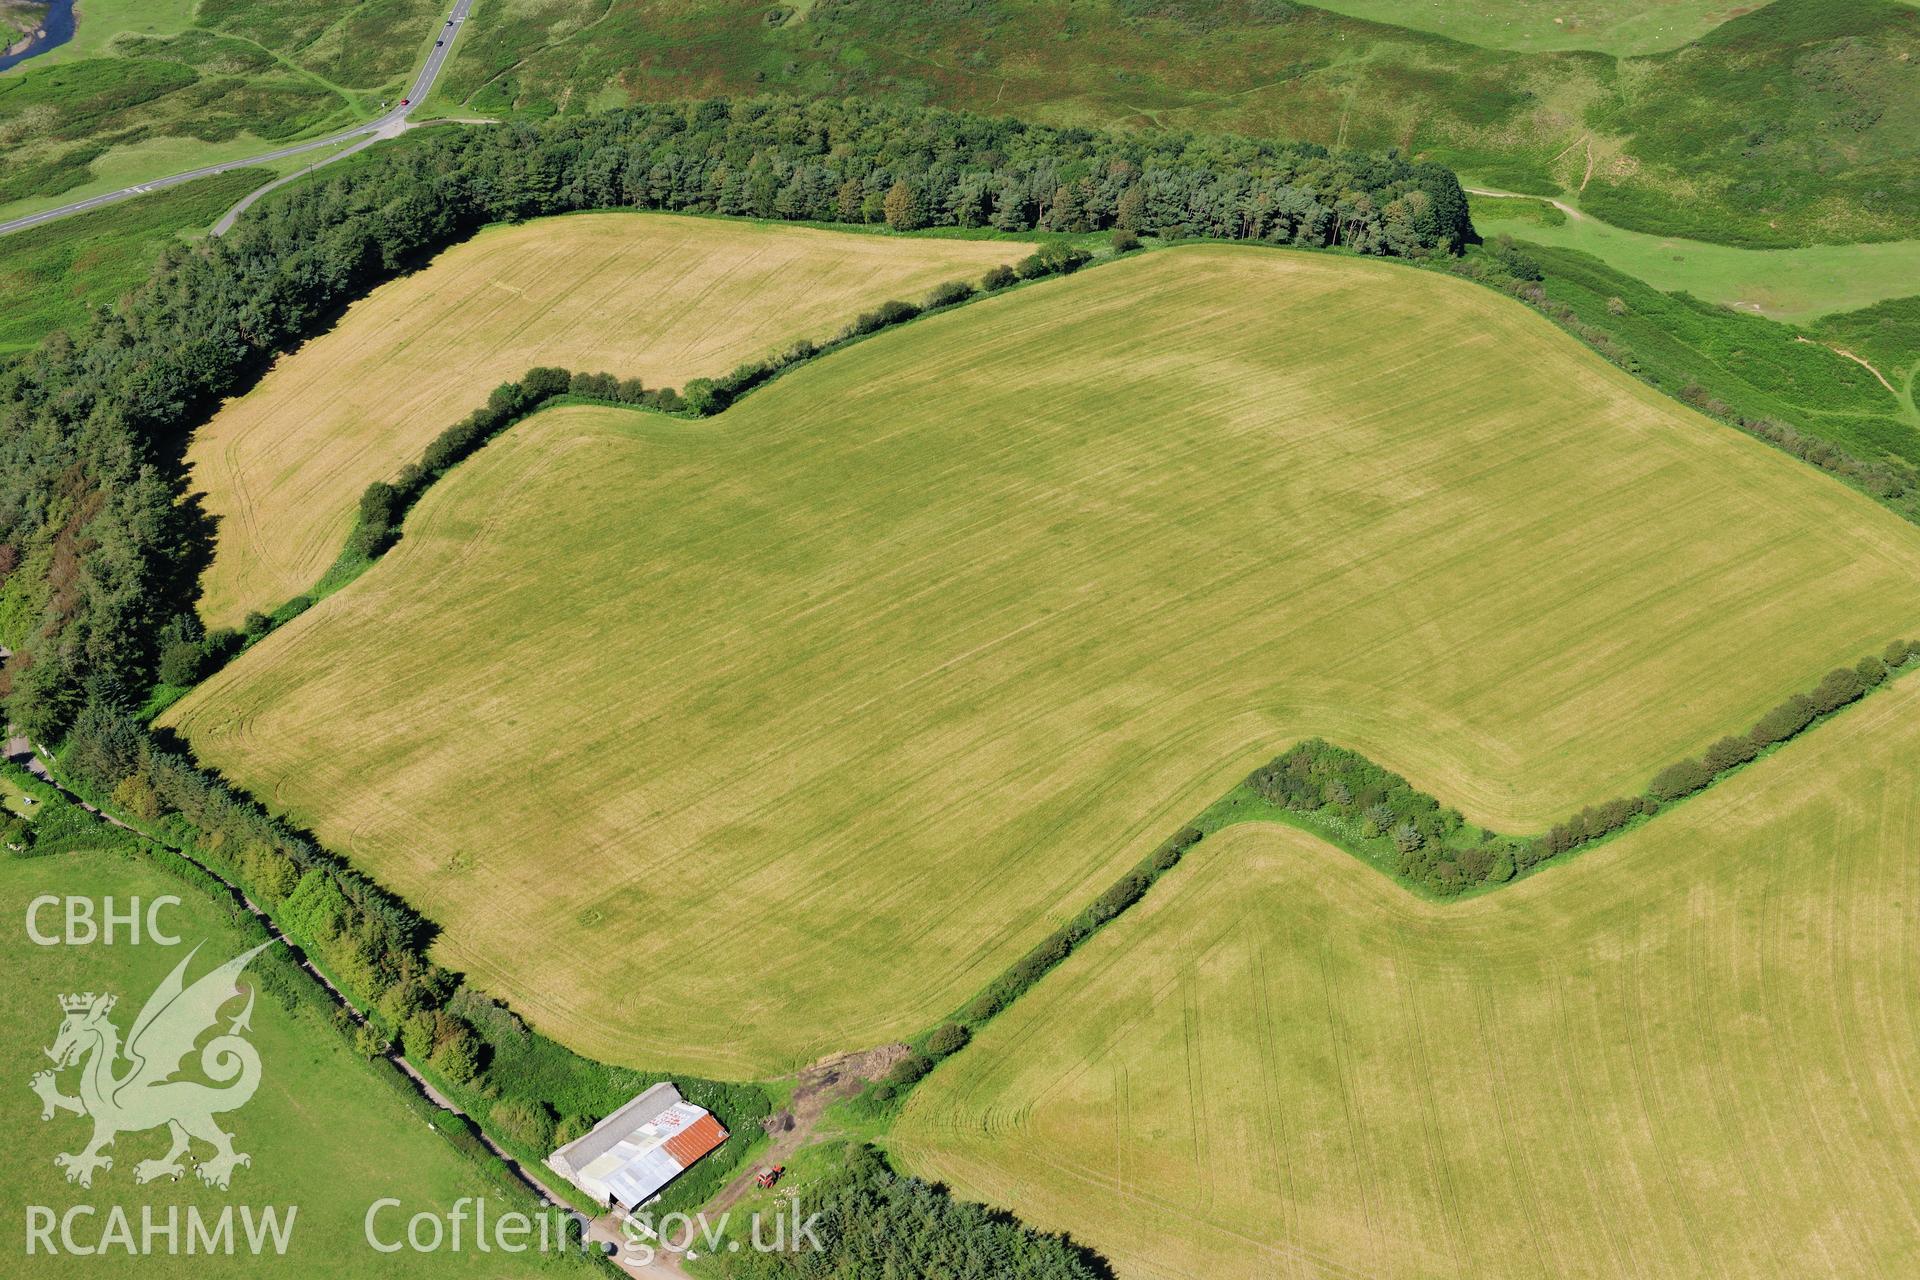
x=51 y=276
x=1069 y=523
x=874 y=1222
x=149 y=87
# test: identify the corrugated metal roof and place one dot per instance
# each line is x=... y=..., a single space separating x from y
x=647 y=1172
x=694 y=1141
x=640 y=1148
x=584 y=1150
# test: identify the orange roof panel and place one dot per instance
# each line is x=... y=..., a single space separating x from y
x=694 y=1141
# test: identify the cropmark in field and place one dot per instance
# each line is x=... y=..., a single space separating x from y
x=651 y=296
x=722 y=745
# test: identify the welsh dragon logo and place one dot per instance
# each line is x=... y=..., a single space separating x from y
x=145 y=1094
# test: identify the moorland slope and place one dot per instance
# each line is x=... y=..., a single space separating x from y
x=1789 y=123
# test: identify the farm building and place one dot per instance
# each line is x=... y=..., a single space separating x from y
x=626 y=1159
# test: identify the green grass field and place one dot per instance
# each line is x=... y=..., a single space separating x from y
x=653 y=296
x=325 y=1132
x=782 y=732
x=52 y=275
x=13 y=799
x=1782 y=284
x=1688 y=1054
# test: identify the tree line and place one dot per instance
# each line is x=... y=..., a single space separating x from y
x=100 y=546
x=876 y=1223
x=533 y=1092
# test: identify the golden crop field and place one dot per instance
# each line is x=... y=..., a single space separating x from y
x=1691 y=1053
x=654 y=296
x=719 y=745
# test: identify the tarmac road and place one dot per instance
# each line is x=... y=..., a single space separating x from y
x=388 y=125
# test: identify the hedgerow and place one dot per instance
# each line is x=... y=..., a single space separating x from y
x=1382 y=817
x=1434 y=851
x=97 y=552
x=374 y=949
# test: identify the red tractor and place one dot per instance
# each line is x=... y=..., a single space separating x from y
x=767 y=1177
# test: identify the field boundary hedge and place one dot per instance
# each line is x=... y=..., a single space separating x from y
x=1380 y=818
x=371 y=948
x=384 y=505
x=282 y=973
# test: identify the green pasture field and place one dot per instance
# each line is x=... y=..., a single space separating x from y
x=13 y=799
x=326 y=1132
x=782 y=732
x=100 y=25
x=1783 y=284
x=1687 y=1054
x=1794 y=124
x=52 y=275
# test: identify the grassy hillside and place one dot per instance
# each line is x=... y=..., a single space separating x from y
x=51 y=275
x=1610 y=26
x=326 y=1132
x=1804 y=114
x=1887 y=336
x=1689 y=1054
x=1792 y=124
x=1794 y=285
x=1797 y=374
x=151 y=87
x=661 y=298
x=829 y=707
